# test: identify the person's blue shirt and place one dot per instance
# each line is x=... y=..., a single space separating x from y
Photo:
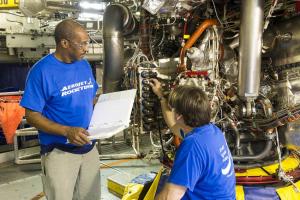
x=203 y=164
x=61 y=92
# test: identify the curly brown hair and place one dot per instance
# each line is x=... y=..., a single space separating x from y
x=192 y=103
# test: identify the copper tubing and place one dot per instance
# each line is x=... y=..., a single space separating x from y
x=207 y=23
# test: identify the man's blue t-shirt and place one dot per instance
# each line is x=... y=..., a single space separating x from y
x=203 y=164
x=62 y=92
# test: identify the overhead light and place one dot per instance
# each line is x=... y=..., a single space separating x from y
x=90 y=16
x=91 y=5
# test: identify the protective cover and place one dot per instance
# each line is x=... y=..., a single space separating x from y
x=11 y=114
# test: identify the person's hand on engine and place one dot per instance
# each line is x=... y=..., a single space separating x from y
x=156 y=87
x=77 y=136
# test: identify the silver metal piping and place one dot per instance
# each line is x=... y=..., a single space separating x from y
x=250 y=48
x=117 y=20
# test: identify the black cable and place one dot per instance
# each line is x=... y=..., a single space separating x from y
x=159 y=132
x=266 y=171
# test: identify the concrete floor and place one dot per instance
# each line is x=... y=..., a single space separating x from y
x=23 y=182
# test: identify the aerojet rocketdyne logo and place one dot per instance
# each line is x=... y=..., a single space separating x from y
x=226 y=158
x=76 y=87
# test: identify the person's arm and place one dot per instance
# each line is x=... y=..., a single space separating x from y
x=75 y=135
x=171 y=192
x=168 y=114
x=169 y=117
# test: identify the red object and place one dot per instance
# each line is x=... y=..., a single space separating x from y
x=297 y=6
x=11 y=114
x=176 y=141
x=261 y=180
x=196 y=73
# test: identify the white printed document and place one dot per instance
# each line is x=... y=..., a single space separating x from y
x=111 y=114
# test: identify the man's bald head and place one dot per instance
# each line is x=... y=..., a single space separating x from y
x=66 y=29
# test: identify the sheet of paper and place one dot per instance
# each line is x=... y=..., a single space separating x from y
x=105 y=132
x=111 y=114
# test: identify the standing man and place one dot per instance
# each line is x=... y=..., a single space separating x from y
x=203 y=166
x=58 y=98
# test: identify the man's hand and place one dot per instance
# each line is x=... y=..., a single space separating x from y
x=156 y=87
x=77 y=135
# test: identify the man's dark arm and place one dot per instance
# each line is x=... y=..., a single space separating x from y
x=75 y=135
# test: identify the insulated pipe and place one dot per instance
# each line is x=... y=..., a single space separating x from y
x=252 y=13
x=207 y=23
x=116 y=20
x=257 y=157
x=246 y=165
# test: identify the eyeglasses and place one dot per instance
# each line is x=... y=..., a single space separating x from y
x=81 y=45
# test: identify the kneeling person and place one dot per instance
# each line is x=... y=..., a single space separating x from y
x=203 y=166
